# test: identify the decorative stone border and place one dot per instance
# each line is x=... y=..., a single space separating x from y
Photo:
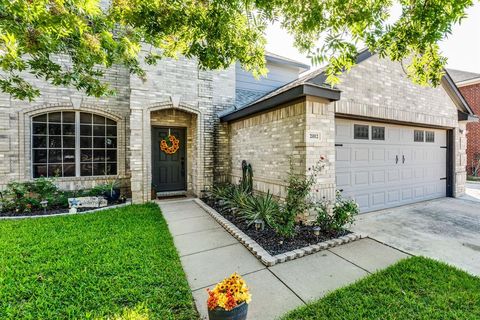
x=262 y=254
x=66 y=213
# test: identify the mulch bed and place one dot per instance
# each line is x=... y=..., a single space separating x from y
x=269 y=240
x=57 y=210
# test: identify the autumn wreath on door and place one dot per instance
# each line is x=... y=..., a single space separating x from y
x=173 y=147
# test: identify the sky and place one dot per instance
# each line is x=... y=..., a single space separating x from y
x=462 y=47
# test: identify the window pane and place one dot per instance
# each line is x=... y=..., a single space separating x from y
x=40 y=156
x=111 y=155
x=54 y=129
x=55 y=156
x=55 y=141
x=98 y=155
x=39 y=141
x=98 y=119
x=40 y=118
x=39 y=171
x=418 y=135
x=54 y=170
x=110 y=121
x=55 y=117
x=86 y=169
x=68 y=117
x=111 y=168
x=69 y=142
x=39 y=128
x=99 y=142
x=69 y=155
x=430 y=136
x=360 y=131
x=111 y=143
x=85 y=130
x=99 y=130
x=85 y=155
x=69 y=129
x=112 y=131
x=99 y=169
x=85 y=142
x=69 y=170
x=378 y=133
x=85 y=117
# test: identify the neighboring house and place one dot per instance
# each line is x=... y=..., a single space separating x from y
x=386 y=141
x=469 y=85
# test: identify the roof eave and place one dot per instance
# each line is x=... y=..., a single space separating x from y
x=456 y=95
x=294 y=93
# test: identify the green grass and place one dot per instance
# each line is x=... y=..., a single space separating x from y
x=416 y=288
x=118 y=264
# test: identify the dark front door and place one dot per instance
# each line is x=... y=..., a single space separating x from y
x=168 y=170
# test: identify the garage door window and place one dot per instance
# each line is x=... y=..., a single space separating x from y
x=360 y=132
x=429 y=136
x=378 y=133
x=418 y=136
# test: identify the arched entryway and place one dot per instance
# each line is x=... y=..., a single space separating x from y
x=163 y=172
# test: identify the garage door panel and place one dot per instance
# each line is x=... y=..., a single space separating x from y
x=384 y=173
x=378 y=177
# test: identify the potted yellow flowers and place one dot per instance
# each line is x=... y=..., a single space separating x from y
x=229 y=299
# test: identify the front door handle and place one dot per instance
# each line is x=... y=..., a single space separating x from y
x=403 y=158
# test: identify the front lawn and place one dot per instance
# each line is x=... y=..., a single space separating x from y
x=416 y=288
x=116 y=264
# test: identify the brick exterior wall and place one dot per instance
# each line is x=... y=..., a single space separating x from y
x=472 y=95
x=15 y=135
x=176 y=93
x=304 y=130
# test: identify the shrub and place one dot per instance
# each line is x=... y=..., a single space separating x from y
x=297 y=200
x=239 y=198
x=26 y=196
x=343 y=212
x=260 y=207
x=223 y=192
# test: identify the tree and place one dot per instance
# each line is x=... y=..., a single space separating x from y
x=72 y=42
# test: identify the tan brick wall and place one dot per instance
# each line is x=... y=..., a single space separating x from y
x=15 y=122
x=270 y=139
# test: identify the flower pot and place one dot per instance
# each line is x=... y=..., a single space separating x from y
x=237 y=313
x=113 y=195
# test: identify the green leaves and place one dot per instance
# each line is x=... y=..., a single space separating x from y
x=217 y=33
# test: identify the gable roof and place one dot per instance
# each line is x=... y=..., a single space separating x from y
x=314 y=84
x=270 y=56
x=460 y=76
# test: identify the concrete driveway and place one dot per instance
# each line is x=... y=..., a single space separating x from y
x=445 y=229
x=472 y=191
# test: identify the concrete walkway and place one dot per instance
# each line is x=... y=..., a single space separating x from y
x=209 y=254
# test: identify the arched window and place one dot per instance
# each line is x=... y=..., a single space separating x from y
x=73 y=144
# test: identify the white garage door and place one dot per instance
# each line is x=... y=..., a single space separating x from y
x=385 y=165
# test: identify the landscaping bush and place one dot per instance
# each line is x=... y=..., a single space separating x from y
x=24 y=197
x=260 y=208
x=343 y=212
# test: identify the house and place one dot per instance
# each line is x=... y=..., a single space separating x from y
x=386 y=141
x=469 y=85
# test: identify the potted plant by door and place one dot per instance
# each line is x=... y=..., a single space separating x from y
x=229 y=299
